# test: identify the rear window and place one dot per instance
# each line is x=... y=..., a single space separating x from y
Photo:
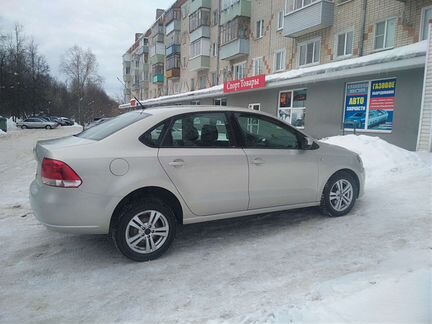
x=112 y=126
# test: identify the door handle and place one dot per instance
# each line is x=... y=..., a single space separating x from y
x=176 y=163
x=258 y=161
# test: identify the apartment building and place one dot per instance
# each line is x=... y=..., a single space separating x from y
x=135 y=68
x=327 y=67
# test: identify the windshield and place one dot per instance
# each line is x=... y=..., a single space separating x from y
x=112 y=126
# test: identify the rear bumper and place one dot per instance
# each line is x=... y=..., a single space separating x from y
x=70 y=210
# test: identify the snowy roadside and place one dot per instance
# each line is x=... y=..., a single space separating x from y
x=373 y=265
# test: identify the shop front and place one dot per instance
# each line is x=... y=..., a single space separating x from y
x=380 y=96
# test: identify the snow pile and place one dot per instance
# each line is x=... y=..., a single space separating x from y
x=11 y=124
x=2 y=133
x=380 y=158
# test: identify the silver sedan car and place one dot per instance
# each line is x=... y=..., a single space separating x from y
x=36 y=122
x=141 y=174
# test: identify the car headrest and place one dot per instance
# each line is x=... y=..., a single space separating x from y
x=190 y=133
x=209 y=134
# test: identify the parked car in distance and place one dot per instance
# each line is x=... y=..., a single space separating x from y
x=67 y=121
x=141 y=174
x=37 y=122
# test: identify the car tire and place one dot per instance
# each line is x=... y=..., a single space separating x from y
x=23 y=127
x=48 y=127
x=339 y=194
x=145 y=229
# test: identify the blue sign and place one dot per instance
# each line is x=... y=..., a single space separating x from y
x=356 y=101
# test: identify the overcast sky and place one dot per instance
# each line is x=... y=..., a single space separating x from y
x=106 y=27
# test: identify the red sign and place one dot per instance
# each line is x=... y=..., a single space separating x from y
x=133 y=103
x=255 y=82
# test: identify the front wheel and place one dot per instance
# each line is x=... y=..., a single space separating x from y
x=339 y=195
x=145 y=230
x=48 y=127
x=23 y=127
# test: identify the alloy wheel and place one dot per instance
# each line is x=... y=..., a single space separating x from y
x=341 y=195
x=147 y=231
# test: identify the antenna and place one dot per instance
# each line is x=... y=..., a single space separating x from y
x=124 y=84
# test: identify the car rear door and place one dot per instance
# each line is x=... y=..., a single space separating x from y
x=281 y=173
x=200 y=157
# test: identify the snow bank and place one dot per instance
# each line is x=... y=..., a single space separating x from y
x=11 y=124
x=2 y=133
x=380 y=158
x=405 y=299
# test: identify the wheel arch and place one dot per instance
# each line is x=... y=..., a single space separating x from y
x=141 y=193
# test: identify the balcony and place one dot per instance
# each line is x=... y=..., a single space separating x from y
x=234 y=49
x=199 y=63
x=239 y=8
x=318 y=15
x=202 y=31
x=175 y=25
x=158 y=58
x=196 y=4
x=173 y=73
x=158 y=78
x=173 y=49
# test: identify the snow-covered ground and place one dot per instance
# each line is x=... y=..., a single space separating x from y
x=371 y=266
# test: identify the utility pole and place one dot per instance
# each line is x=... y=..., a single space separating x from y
x=218 y=43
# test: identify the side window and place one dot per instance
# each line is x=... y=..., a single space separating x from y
x=199 y=130
x=260 y=132
x=153 y=137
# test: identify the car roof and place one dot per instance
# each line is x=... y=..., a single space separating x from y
x=168 y=111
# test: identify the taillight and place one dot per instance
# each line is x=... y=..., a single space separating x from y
x=58 y=174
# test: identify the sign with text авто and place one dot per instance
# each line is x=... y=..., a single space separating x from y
x=356 y=104
x=251 y=83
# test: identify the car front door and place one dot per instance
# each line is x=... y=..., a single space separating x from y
x=281 y=172
x=200 y=157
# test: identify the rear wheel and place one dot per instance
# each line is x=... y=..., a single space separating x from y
x=145 y=230
x=340 y=194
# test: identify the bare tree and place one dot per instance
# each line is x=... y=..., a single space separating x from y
x=80 y=67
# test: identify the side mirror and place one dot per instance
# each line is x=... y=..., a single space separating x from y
x=308 y=143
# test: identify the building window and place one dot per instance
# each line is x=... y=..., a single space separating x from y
x=192 y=84
x=239 y=70
x=258 y=66
x=220 y=101
x=214 y=50
x=279 y=60
x=200 y=47
x=293 y=5
x=292 y=107
x=202 y=82
x=260 y=28
x=345 y=42
x=280 y=20
x=426 y=17
x=195 y=102
x=215 y=17
x=213 y=78
x=199 y=18
x=385 y=34
x=309 y=52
